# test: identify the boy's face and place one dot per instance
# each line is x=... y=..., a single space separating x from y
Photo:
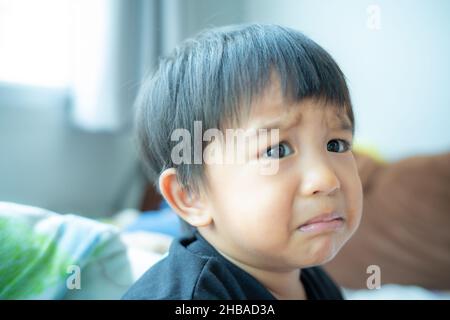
x=261 y=220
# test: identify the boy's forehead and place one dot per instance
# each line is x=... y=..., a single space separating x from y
x=279 y=114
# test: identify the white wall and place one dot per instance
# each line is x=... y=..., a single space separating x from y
x=46 y=162
x=399 y=76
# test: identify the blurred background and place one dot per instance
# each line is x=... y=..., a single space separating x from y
x=70 y=70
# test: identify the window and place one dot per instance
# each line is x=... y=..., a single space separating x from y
x=92 y=48
x=35 y=42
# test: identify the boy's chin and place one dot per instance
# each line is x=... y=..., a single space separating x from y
x=322 y=254
x=318 y=261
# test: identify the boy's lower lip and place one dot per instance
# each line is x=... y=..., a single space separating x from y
x=321 y=226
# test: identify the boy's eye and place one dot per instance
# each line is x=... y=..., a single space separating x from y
x=278 y=151
x=338 y=145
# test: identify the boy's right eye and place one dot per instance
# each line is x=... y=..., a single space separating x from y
x=278 y=151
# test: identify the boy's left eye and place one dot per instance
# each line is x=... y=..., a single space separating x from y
x=338 y=145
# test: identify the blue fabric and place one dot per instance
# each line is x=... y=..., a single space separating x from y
x=163 y=221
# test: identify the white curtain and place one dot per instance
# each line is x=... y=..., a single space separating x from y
x=114 y=43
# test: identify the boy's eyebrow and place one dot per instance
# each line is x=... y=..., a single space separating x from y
x=342 y=124
x=280 y=123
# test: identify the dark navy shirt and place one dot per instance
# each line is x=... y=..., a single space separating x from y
x=195 y=270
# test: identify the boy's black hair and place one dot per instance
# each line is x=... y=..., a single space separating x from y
x=213 y=78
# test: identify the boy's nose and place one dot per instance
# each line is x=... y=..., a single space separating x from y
x=319 y=179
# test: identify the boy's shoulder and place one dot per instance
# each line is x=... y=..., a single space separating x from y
x=192 y=270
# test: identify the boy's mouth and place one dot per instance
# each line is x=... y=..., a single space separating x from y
x=323 y=222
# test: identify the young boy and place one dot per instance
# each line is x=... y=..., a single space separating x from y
x=258 y=233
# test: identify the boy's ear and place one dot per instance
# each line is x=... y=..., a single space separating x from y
x=188 y=206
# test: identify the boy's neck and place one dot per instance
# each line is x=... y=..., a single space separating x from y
x=282 y=285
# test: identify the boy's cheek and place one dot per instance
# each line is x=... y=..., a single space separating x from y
x=355 y=205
